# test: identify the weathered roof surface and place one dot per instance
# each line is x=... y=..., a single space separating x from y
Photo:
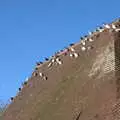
x=83 y=88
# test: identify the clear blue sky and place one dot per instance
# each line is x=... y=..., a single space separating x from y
x=33 y=29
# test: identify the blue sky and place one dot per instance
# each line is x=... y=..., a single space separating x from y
x=33 y=29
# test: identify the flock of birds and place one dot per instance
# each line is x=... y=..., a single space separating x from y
x=55 y=59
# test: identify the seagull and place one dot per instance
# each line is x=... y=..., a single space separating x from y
x=100 y=29
x=59 y=62
x=90 y=33
x=71 y=44
x=90 y=47
x=41 y=74
x=83 y=42
x=113 y=26
x=72 y=49
x=12 y=98
x=106 y=26
x=90 y=40
x=35 y=74
x=71 y=55
x=19 y=89
x=117 y=30
x=83 y=48
x=25 y=83
x=81 y=38
x=46 y=59
x=75 y=55
x=45 y=78
x=50 y=64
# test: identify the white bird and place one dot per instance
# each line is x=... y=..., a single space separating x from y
x=117 y=30
x=41 y=74
x=113 y=26
x=59 y=61
x=83 y=42
x=71 y=55
x=100 y=29
x=50 y=64
x=83 y=48
x=90 y=33
x=106 y=26
x=72 y=49
x=90 y=40
x=75 y=55
x=53 y=60
x=89 y=47
x=45 y=78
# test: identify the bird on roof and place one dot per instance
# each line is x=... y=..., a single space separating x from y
x=19 y=89
x=71 y=54
x=12 y=98
x=75 y=55
x=100 y=29
x=90 y=47
x=41 y=74
x=81 y=38
x=46 y=58
x=72 y=49
x=83 y=42
x=50 y=64
x=83 y=48
x=35 y=74
x=25 y=83
x=37 y=63
x=71 y=44
x=106 y=26
x=90 y=40
x=90 y=33
x=58 y=60
x=117 y=30
x=45 y=78
x=113 y=26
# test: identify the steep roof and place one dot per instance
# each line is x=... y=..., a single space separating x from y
x=85 y=87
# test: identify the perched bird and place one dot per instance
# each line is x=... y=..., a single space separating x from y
x=83 y=42
x=72 y=49
x=75 y=55
x=19 y=89
x=12 y=98
x=41 y=74
x=90 y=47
x=45 y=78
x=35 y=74
x=100 y=29
x=83 y=48
x=58 y=60
x=50 y=64
x=113 y=26
x=90 y=40
x=71 y=55
x=106 y=26
x=117 y=30
x=25 y=83
x=71 y=44
x=46 y=59
x=81 y=38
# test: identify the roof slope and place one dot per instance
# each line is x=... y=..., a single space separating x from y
x=82 y=88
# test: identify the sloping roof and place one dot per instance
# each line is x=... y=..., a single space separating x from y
x=82 y=88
